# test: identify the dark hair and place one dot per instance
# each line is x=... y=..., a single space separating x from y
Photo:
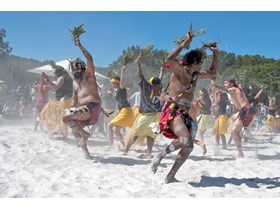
x=193 y=56
x=206 y=96
x=156 y=81
x=116 y=78
x=59 y=70
x=231 y=79
x=223 y=96
x=78 y=63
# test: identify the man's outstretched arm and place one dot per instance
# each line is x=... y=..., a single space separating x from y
x=90 y=66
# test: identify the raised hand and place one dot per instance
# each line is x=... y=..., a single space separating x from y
x=76 y=40
x=124 y=68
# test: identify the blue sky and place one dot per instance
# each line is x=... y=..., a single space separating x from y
x=43 y=35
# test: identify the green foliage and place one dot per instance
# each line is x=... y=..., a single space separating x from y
x=128 y=58
x=77 y=31
x=147 y=50
x=5 y=48
x=162 y=58
x=193 y=33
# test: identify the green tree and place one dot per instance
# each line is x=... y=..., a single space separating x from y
x=5 y=48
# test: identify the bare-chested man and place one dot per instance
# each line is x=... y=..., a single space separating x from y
x=244 y=117
x=86 y=100
x=175 y=122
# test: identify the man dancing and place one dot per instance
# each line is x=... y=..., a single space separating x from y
x=86 y=105
x=241 y=119
x=175 y=121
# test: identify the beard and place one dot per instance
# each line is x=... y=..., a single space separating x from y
x=79 y=75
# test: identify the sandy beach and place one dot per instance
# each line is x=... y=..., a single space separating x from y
x=34 y=166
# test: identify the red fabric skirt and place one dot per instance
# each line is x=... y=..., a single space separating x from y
x=94 y=115
x=167 y=115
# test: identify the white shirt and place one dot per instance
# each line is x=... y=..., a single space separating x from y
x=136 y=97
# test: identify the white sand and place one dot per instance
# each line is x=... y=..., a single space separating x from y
x=34 y=166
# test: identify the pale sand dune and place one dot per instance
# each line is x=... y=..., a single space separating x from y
x=34 y=166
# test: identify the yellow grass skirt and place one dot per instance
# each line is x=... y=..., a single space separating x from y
x=136 y=112
x=141 y=128
x=124 y=118
x=143 y=122
x=221 y=125
x=203 y=121
x=272 y=122
x=52 y=114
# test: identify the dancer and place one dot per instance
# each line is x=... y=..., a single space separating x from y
x=272 y=122
x=195 y=108
x=86 y=104
x=205 y=114
x=52 y=113
x=41 y=100
x=124 y=117
x=221 y=123
x=149 y=110
x=175 y=121
x=244 y=117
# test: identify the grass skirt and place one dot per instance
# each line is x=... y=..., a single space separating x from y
x=52 y=114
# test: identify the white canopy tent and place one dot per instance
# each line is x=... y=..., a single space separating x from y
x=65 y=64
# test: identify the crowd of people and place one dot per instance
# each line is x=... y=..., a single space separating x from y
x=178 y=112
x=17 y=102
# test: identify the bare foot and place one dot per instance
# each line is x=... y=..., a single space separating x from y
x=204 y=149
x=240 y=153
x=122 y=149
x=169 y=179
x=83 y=145
x=88 y=157
x=155 y=162
x=240 y=156
x=108 y=147
x=144 y=156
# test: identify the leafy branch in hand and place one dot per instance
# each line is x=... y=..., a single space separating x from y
x=128 y=58
x=209 y=45
x=147 y=50
x=192 y=33
x=77 y=31
x=163 y=58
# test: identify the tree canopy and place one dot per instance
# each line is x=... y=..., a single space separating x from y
x=5 y=48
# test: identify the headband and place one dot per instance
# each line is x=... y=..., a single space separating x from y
x=114 y=80
x=151 y=80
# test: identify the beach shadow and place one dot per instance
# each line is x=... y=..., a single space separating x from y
x=95 y=143
x=270 y=134
x=198 y=158
x=269 y=157
x=90 y=142
x=249 y=148
x=207 y=181
x=121 y=160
